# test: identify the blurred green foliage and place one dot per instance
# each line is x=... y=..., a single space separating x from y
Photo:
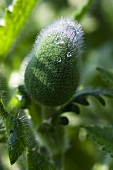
x=17 y=35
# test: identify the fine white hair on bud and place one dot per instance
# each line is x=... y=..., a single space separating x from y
x=52 y=74
x=63 y=27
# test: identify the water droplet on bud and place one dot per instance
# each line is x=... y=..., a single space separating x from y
x=59 y=60
x=59 y=40
x=69 y=54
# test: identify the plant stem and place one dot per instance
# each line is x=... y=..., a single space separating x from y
x=50 y=112
x=56 y=135
x=58 y=160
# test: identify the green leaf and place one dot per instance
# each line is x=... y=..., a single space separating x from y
x=71 y=108
x=81 y=12
x=14 y=21
x=81 y=100
x=2 y=127
x=106 y=75
x=16 y=138
x=3 y=112
x=2 y=132
x=102 y=136
x=97 y=93
x=38 y=161
x=16 y=133
x=80 y=97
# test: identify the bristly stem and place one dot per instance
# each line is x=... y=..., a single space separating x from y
x=57 y=135
x=58 y=161
x=51 y=113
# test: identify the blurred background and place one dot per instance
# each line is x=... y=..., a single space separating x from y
x=97 y=24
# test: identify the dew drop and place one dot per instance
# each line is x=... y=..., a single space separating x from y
x=59 y=40
x=69 y=54
x=77 y=32
x=59 y=60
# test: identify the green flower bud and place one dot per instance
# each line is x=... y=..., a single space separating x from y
x=52 y=74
